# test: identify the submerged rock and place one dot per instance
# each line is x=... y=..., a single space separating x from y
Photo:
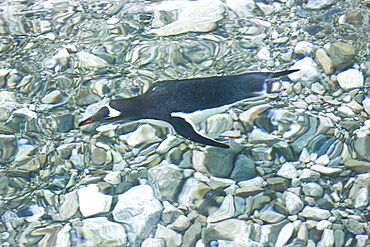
x=303 y=48
x=170 y=237
x=226 y=211
x=217 y=124
x=48 y=234
x=192 y=235
x=244 y=169
x=342 y=54
x=288 y=170
x=361 y=145
x=312 y=189
x=70 y=205
x=350 y=79
x=230 y=229
x=324 y=61
x=153 y=242
x=358 y=165
x=318 y=4
x=190 y=191
x=143 y=134
x=180 y=224
x=354 y=226
x=285 y=235
x=220 y=161
x=270 y=215
x=278 y=184
x=140 y=210
x=8 y=148
x=165 y=180
x=243 y=8
x=170 y=213
x=315 y=213
x=90 y=61
x=194 y=16
x=309 y=71
x=92 y=201
x=327 y=238
x=293 y=202
x=101 y=231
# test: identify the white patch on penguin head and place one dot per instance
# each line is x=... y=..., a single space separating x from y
x=112 y=112
x=94 y=108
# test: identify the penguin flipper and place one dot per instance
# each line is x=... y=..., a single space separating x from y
x=185 y=129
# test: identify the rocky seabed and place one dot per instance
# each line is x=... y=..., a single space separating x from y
x=298 y=169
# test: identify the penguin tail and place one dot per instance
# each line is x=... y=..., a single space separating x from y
x=274 y=85
x=281 y=73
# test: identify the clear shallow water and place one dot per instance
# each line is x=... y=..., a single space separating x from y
x=58 y=57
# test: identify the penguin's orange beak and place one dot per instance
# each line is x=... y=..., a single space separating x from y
x=101 y=115
x=86 y=122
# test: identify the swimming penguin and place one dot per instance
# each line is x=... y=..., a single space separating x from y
x=169 y=100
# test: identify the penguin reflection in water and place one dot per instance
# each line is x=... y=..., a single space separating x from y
x=172 y=101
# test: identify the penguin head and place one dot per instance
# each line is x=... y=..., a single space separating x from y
x=106 y=113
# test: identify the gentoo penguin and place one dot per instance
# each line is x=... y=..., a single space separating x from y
x=169 y=100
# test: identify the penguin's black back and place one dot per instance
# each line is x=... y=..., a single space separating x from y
x=190 y=95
